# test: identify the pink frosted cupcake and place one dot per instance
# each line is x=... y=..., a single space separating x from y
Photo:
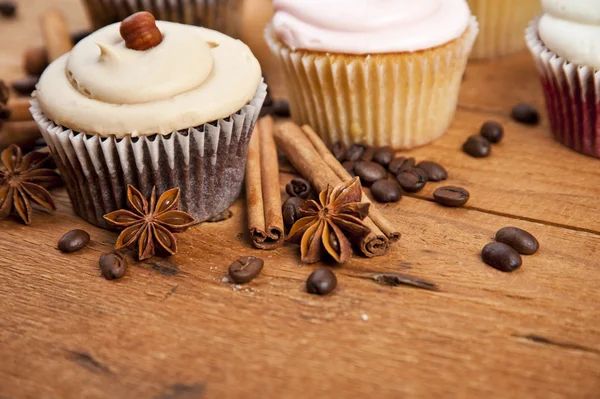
x=565 y=43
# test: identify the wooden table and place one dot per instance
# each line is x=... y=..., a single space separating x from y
x=172 y=329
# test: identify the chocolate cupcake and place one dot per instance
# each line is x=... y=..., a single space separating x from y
x=178 y=114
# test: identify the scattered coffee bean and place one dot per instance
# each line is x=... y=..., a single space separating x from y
x=113 y=265
x=8 y=9
x=299 y=187
x=477 y=146
x=502 y=257
x=384 y=155
x=264 y=111
x=412 y=180
x=401 y=163
x=221 y=217
x=245 y=269
x=268 y=99
x=386 y=191
x=25 y=86
x=78 y=36
x=321 y=282
x=518 y=239
x=73 y=241
x=526 y=114
x=368 y=153
x=451 y=196
x=355 y=152
x=435 y=171
x=291 y=211
x=369 y=172
x=338 y=149
x=493 y=131
x=281 y=108
x=349 y=166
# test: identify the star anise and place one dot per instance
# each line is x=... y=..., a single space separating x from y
x=22 y=182
x=329 y=226
x=150 y=227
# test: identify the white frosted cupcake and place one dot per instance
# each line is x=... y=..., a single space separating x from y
x=373 y=72
x=565 y=43
x=179 y=114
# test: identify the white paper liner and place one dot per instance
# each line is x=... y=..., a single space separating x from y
x=221 y=15
x=501 y=24
x=400 y=99
x=572 y=94
x=206 y=162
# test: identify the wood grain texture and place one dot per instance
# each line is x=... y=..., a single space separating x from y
x=171 y=329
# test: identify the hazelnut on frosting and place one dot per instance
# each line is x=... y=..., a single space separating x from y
x=369 y=26
x=193 y=76
x=571 y=28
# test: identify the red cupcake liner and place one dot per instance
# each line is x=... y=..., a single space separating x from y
x=572 y=94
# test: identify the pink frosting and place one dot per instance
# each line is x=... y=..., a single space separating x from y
x=369 y=26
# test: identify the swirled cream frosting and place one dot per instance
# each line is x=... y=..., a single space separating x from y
x=369 y=26
x=192 y=77
x=571 y=28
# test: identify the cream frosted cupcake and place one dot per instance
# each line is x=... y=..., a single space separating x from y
x=221 y=15
x=565 y=43
x=373 y=72
x=178 y=114
x=501 y=23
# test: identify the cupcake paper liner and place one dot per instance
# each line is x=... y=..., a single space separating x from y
x=207 y=162
x=501 y=24
x=398 y=99
x=221 y=15
x=572 y=94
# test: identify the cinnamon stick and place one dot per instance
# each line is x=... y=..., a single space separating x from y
x=263 y=197
x=382 y=223
x=56 y=34
x=19 y=109
x=23 y=134
x=306 y=159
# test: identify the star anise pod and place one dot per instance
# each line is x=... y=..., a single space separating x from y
x=22 y=182
x=330 y=225
x=150 y=227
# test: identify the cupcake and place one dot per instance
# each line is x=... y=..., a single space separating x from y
x=221 y=15
x=373 y=72
x=501 y=24
x=565 y=44
x=172 y=105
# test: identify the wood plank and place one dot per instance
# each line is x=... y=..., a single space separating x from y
x=69 y=333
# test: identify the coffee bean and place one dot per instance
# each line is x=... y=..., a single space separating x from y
x=435 y=171
x=451 y=196
x=368 y=153
x=73 y=241
x=386 y=191
x=25 y=86
x=281 y=108
x=502 y=257
x=369 y=172
x=493 y=131
x=338 y=149
x=245 y=269
x=264 y=111
x=477 y=146
x=412 y=180
x=518 y=239
x=384 y=155
x=8 y=9
x=401 y=163
x=268 y=99
x=526 y=114
x=321 y=282
x=291 y=211
x=355 y=152
x=113 y=265
x=299 y=187
x=349 y=166
x=78 y=36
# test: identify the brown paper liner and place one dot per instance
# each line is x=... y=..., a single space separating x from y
x=206 y=162
x=400 y=99
x=572 y=95
x=221 y=15
x=501 y=25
